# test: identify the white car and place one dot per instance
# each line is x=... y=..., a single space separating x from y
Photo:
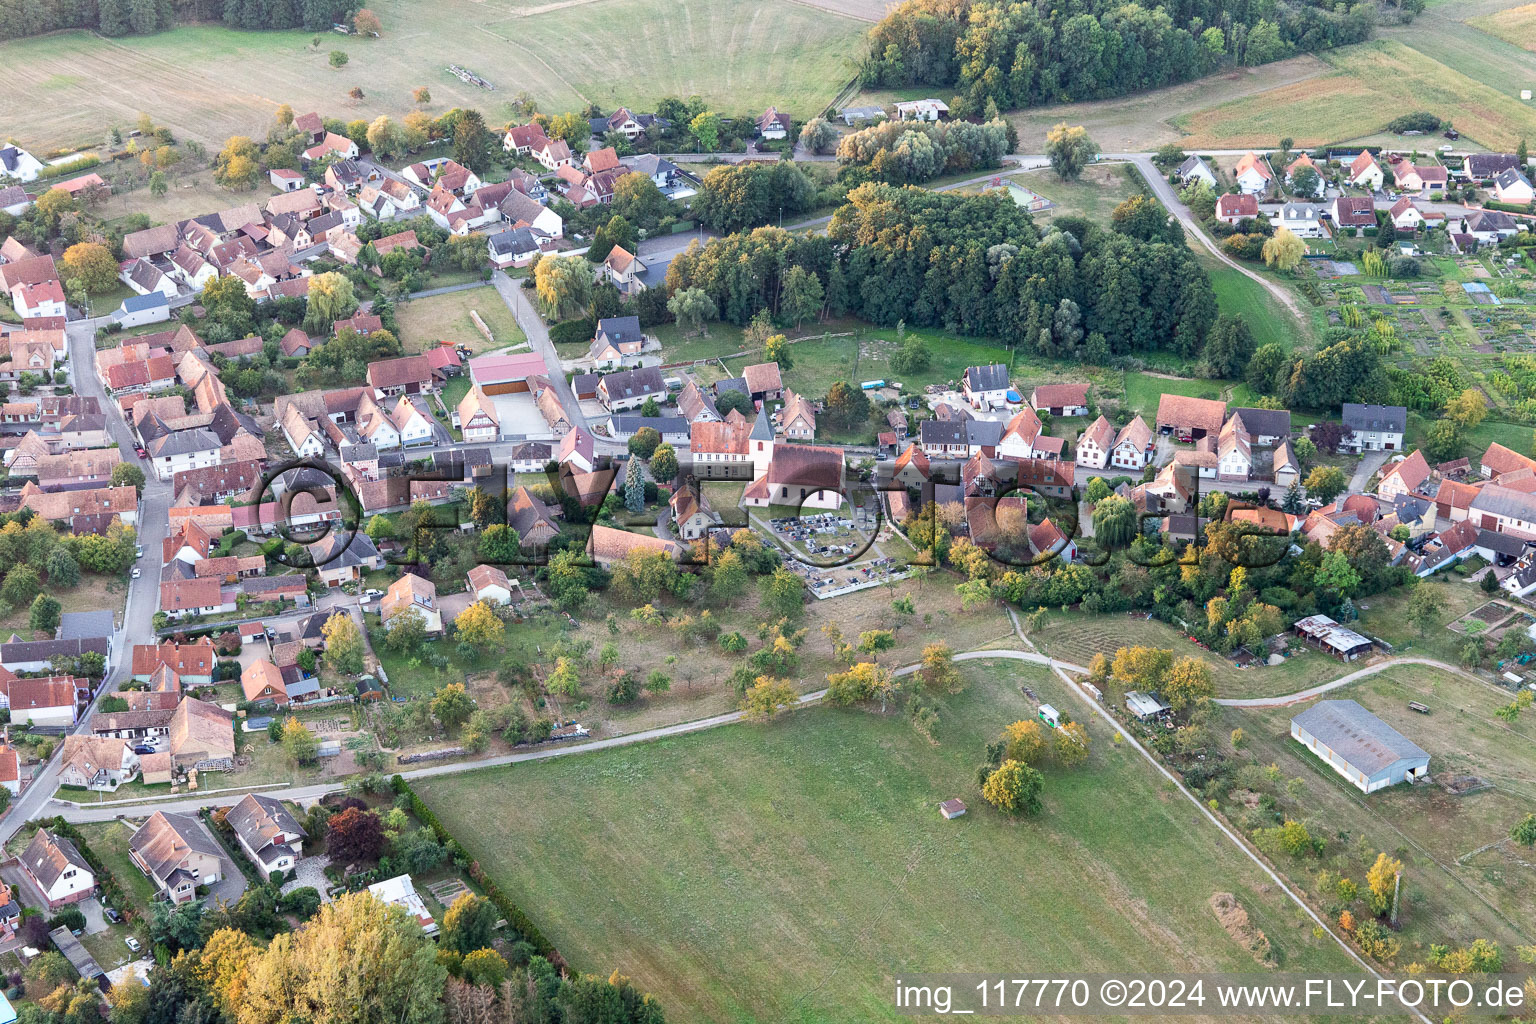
x=139 y=551
x=133 y=943
x=372 y=594
x=1447 y=148
x=137 y=572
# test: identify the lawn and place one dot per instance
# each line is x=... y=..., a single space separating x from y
x=425 y=322
x=1386 y=616
x=1095 y=195
x=1077 y=637
x=1373 y=80
x=1143 y=391
x=1237 y=294
x=94 y=593
x=791 y=871
x=68 y=88
x=1455 y=890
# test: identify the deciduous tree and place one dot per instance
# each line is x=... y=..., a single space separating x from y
x=1070 y=150
x=1014 y=788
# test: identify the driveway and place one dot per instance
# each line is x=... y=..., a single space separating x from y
x=231 y=882
x=1370 y=462
x=95 y=919
x=310 y=871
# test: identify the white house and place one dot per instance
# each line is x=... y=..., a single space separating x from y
x=1194 y=168
x=415 y=426
x=1303 y=220
x=477 y=417
x=181 y=450
x=921 y=110
x=1253 y=174
x=58 y=869
x=137 y=310
x=285 y=180
x=1375 y=428
x=1512 y=186
x=1406 y=216
x=411 y=592
x=44 y=299
x=488 y=583
x=986 y=386
x=1131 y=446
x=19 y=165
x=1365 y=172
x=1094 y=446
x=773 y=125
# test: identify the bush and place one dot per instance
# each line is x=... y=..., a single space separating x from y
x=70 y=917
x=572 y=332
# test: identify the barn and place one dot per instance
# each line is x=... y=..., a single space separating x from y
x=506 y=374
x=1359 y=746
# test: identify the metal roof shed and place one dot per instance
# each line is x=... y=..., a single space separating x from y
x=1359 y=746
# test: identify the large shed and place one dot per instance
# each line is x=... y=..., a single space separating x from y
x=1359 y=746
x=1344 y=644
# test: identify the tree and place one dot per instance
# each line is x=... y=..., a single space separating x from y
x=776 y=350
x=1071 y=744
x=937 y=669
x=159 y=185
x=367 y=23
x=478 y=626
x=564 y=286
x=339 y=58
x=1443 y=442
x=1425 y=606
x=1141 y=668
x=1229 y=346
x=664 y=463
x=706 y=129
x=421 y=95
x=1025 y=741
x=1188 y=684
x=1014 y=788
x=469 y=924
x=767 y=697
x=1114 y=521
x=1467 y=409
x=406 y=631
x=728 y=579
x=299 y=743
x=1382 y=882
x=1325 y=483
x=21 y=585
x=693 y=309
x=178 y=927
x=92 y=264
x=865 y=681
x=385 y=137
x=126 y=474
x=817 y=136
x=1284 y=250
x=452 y=705
x=847 y=406
x=1070 y=150
x=331 y=298
x=343 y=644
x=354 y=836
x=801 y=296
x=391 y=969
x=1337 y=574
x=44 y=613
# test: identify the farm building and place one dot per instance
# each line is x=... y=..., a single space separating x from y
x=505 y=374
x=1145 y=705
x=1359 y=746
x=1344 y=644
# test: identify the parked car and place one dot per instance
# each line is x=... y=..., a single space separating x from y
x=132 y=943
x=137 y=572
x=143 y=749
x=112 y=915
x=138 y=552
x=372 y=593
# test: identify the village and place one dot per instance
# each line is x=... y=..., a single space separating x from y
x=381 y=471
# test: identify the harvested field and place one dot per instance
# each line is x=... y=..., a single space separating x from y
x=69 y=88
x=1380 y=77
x=1516 y=25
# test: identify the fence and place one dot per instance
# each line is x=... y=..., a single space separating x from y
x=509 y=910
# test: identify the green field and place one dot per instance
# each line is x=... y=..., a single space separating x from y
x=1453 y=892
x=790 y=872
x=70 y=87
x=1237 y=294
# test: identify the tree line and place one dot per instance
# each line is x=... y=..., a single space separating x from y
x=20 y=18
x=968 y=264
x=1018 y=54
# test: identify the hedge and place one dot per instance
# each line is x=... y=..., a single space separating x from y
x=69 y=167
x=511 y=911
x=572 y=332
x=1508 y=208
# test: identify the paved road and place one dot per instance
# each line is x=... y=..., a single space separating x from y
x=1175 y=205
x=138 y=616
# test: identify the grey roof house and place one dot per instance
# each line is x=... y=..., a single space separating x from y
x=270 y=836
x=1359 y=746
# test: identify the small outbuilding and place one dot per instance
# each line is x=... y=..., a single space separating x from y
x=1050 y=716
x=1359 y=746
x=952 y=808
x=1145 y=705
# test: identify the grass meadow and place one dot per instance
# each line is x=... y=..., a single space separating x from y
x=791 y=871
x=68 y=88
x=424 y=322
x=1455 y=890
